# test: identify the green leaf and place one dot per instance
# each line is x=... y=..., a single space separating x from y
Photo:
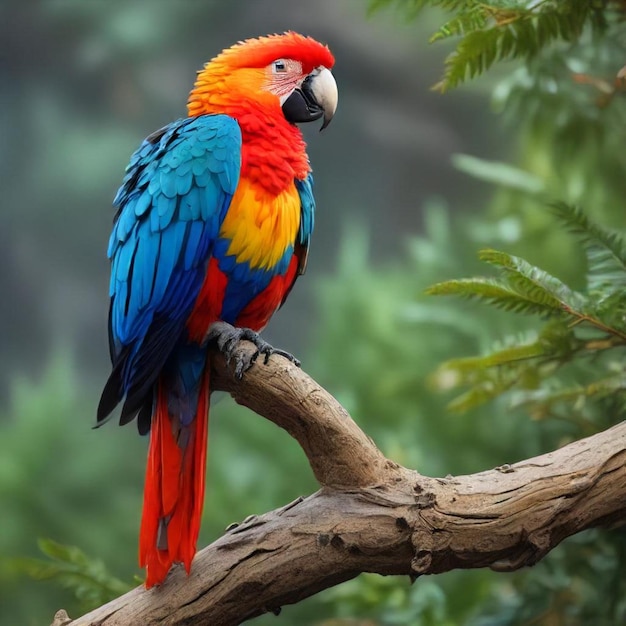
x=495 y=293
x=499 y=30
x=498 y=173
x=545 y=401
x=605 y=249
x=527 y=289
x=473 y=55
x=535 y=283
x=60 y=552
x=477 y=396
x=71 y=568
x=474 y=18
x=506 y=356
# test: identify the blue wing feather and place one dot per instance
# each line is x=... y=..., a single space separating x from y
x=175 y=193
x=307 y=220
x=307 y=203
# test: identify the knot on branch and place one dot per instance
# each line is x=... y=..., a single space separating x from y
x=61 y=618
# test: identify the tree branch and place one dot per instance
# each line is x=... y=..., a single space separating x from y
x=373 y=515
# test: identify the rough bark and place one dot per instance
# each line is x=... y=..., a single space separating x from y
x=372 y=515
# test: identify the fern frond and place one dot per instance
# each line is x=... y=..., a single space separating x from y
x=605 y=249
x=476 y=397
x=495 y=293
x=546 y=398
x=518 y=363
x=474 y=54
x=555 y=342
x=528 y=289
x=506 y=356
x=610 y=309
x=473 y=18
x=500 y=29
x=516 y=32
x=534 y=283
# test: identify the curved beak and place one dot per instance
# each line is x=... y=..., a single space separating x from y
x=316 y=98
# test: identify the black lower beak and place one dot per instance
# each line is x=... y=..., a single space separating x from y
x=301 y=106
x=315 y=98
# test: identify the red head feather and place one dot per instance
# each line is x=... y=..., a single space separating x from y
x=290 y=45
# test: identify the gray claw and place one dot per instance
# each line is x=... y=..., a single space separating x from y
x=228 y=337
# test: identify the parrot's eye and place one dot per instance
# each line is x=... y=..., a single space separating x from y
x=280 y=66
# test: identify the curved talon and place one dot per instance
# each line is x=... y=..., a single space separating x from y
x=228 y=337
x=286 y=355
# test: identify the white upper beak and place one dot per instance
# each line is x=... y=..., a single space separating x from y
x=324 y=89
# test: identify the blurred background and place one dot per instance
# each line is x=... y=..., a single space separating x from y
x=82 y=83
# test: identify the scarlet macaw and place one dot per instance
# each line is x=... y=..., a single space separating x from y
x=214 y=219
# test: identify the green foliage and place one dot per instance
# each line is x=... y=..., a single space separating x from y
x=397 y=603
x=57 y=480
x=88 y=579
x=501 y=30
x=497 y=293
x=581 y=583
x=566 y=108
x=523 y=288
x=583 y=326
x=605 y=250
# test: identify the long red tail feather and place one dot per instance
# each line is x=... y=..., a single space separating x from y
x=174 y=487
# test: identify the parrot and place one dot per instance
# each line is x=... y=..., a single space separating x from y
x=213 y=225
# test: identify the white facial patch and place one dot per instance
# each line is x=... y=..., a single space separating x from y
x=284 y=75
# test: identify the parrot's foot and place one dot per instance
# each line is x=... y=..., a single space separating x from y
x=228 y=337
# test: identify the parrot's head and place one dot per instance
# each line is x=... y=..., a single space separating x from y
x=271 y=80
